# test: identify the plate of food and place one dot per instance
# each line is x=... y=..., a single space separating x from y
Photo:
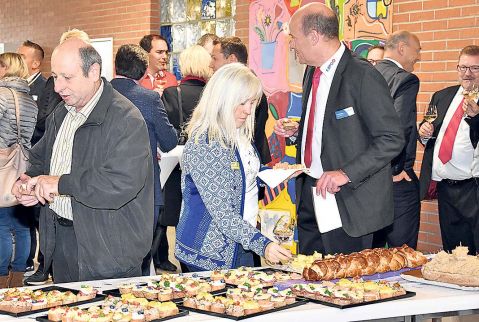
x=167 y=287
x=261 y=278
x=127 y=308
x=456 y=270
x=372 y=262
x=25 y=301
x=351 y=293
x=239 y=304
x=280 y=172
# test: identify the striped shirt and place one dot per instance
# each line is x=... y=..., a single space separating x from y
x=61 y=161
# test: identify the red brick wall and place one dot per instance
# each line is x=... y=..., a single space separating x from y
x=43 y=21
x=443 y=26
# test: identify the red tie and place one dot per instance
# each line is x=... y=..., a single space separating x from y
x=445 y=151
x=308 y=147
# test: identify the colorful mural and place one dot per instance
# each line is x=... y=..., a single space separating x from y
x=363 y=23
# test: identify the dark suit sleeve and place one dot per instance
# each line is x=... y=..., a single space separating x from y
x=170 y=103
x=473 y=129
x=165 y=133
x=260 y=139
x=378 y=116
x=405 y=106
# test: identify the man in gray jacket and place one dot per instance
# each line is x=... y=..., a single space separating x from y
x=92 y=171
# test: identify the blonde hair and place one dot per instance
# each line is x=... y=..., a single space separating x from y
x=231 y=85
x=195 y=61
x=75 y=33
x=15 y=65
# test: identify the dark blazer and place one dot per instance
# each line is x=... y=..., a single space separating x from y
x=191 y=90
x=37 y=87
x=46 y=103
x=160 y=131
x=362 y=145
x=404 y=87
x=442 y=99
x=260 y=140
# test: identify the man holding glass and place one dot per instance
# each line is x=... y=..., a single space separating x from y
x=402 y=52
x=448 y=156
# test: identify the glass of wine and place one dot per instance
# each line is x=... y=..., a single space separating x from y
x=430 y=115
x=470 y=94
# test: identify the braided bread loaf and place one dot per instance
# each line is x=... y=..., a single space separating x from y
x=366 y=262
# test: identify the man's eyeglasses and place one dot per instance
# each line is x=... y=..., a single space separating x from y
x=474 y=69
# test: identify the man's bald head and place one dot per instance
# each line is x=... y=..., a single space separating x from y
x=86 y=52
x=318 y=17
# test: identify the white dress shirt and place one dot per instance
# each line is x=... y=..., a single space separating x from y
x=251 y=166
x=460 y=165
x=328 y=69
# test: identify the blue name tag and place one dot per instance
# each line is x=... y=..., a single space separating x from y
x=341 y=114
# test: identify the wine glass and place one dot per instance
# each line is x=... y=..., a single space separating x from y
x=430 y=115
x=470 y=94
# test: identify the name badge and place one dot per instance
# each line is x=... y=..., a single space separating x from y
x=235 y=166
x=341 y=114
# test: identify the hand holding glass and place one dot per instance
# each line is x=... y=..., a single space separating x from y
x=430 y=116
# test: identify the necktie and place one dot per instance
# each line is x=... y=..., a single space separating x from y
x=445 y=151
x=308 y=147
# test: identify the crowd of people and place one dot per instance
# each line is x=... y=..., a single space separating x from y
x=92 y=189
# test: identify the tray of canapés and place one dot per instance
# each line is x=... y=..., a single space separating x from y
x=25 y=301
x=265 y=277
x=168 y=287
x=242 y=303
x=124 y=309
x=347 y=293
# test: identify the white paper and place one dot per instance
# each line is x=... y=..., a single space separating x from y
x=273 y=177
x=326 y=211
x=168 y=162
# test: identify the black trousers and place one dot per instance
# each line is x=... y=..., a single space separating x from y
x=65 y=255
x=405 y=227
x=332 y=242
x=459 y=214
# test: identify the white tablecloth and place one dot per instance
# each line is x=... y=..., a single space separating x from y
x=428 y=299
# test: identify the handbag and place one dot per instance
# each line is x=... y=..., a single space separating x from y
x=13 y=162
x=182 y=135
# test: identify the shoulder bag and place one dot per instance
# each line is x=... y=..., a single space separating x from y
x=13 y=162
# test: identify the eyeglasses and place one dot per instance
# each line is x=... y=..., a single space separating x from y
x=473 y=69
x=374 y=61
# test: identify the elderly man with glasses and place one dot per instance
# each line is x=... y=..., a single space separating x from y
x=449 y=155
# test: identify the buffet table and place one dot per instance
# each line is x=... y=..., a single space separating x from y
x=430 y=301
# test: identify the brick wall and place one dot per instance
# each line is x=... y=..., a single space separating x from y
x=443 y=26
x=43 y=21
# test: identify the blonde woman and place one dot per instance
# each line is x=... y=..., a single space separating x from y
x=13 y=75
x=220 y=164
x=195 y=66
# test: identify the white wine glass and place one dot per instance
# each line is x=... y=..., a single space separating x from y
x=430 y=115
x=470 y=94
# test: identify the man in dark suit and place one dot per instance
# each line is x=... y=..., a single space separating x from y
x=131 y=63
x=348 y=135
x=401 y=52
x=231 y=50
x=33 y=55
x=448 y=156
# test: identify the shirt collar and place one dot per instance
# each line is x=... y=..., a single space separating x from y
x=88 y=108
x=329 y=67
x=121 y=76
x=33 y=77
x=394 y=61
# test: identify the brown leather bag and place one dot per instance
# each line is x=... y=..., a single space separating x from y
x=13 y=162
